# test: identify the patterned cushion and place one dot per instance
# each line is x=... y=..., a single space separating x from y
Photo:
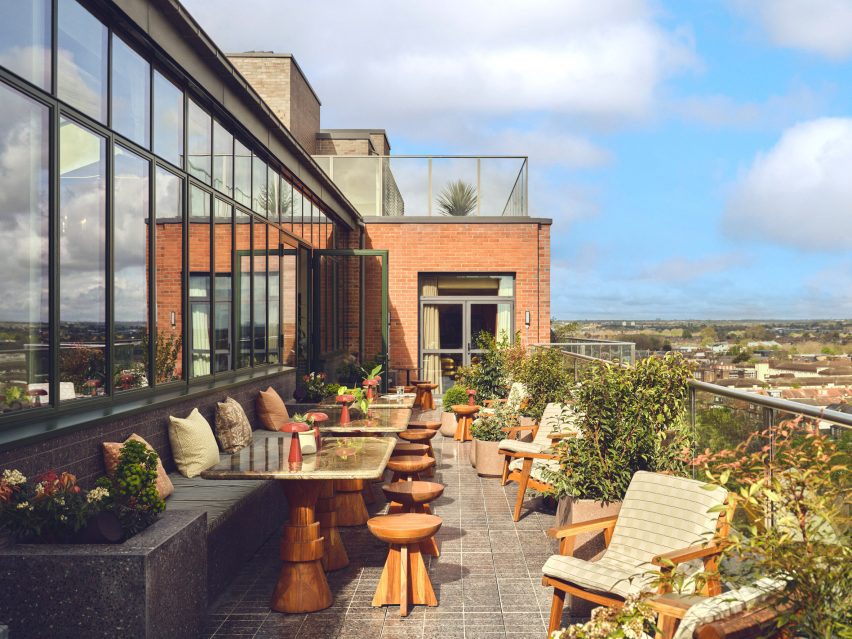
x=727 y=604
x=659 y=514
x=232 y=426
x=112 y=451
x=193 y=444
x=271 y=410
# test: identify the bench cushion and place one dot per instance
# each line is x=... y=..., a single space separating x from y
x=194 y=447
x=216 y=497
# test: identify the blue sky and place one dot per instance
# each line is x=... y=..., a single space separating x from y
x=695 y=155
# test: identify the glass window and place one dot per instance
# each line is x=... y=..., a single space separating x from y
x=82 y=262
x=274 y=284
x=223 y=160
x=285 y=199
x=467 y=285
x=259 y=303
x=131 y=93
x=25 y=39
x=198 y=142
x=288 y=301
x=131 y=213
x=199 y=281
x=258 y=186
x=272 y=195
x=168 y=120
x=242 y=173
x=298 y=200
x=242 y=229
x=169 y=274
x=25 y=284
x=222 y=215
x=82 y=51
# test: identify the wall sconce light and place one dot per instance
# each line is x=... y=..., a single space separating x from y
x=174 y=318
x=527 y=319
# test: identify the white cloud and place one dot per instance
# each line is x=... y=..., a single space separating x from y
x=821 y=26
x=686 y=269
x=798 y=193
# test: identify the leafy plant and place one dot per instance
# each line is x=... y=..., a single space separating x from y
x=546 y=378
x=801 y=481
x=51 y=509
x=13 y=394
x=458 y=198
x=490 y=427
x=315 y=387
x=132 y=492
x=456 y=394
x=630 y=419
x=166 y=351
x=371 y=373
x=488 y=375
x=79 y=364
x=635 y=618
x=361 y=399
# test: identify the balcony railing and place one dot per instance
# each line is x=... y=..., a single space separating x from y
x=598 y=349
x=722 y=417
x=434 y=185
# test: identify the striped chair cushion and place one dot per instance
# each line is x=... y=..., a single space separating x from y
x=727 y=604
x=659 y=514
x=555 y=418
x=537 y=467
x=517 y=446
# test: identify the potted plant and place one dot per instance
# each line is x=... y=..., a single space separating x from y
x=315 y=387
x=546 y=378
x=488 y=430
x=629 y=419
x=457 y=199
x=456 y=394
x=634 y=619
x=15 y=397
x=795 y=494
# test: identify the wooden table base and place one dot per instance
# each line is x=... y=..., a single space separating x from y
x=351 y=509
x=302 y=586
x=335 y=556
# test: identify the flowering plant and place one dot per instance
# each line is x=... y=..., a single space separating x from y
x=633 y=620
x=315 y=386
x=53 y=507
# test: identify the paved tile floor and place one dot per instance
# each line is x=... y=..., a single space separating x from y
x=487 y=578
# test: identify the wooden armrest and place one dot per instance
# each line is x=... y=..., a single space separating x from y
x=760 y=622
x=572 y=530
x=517 y=429
x=491 y=402
x=520 y=455
x=558 y=436
x=687 y=554
x=670 y=606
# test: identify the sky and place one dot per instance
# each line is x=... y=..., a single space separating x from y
x=695 y=156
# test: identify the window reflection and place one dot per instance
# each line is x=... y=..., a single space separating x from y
x=274 y=299
x=199 y=282
x=24 y=286
x=288 y=302
x=258 y=186
x=242 y=173
x=25 y=39
x=131 y=93
x=259 y=293
x=198 y=142
x=168 y=188
x=271 y=195
x=82 y=60
x=242 y=229
x=285 y=199
x=222 y=215
x=82 y=277
x=131 y=284
x=223 y=160
x=168 y=120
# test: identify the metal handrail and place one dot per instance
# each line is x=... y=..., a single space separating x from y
x=764 y=401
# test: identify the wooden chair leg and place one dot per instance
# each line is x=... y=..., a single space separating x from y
x=522 y=487
x=505 y=478
x=404 y=580
x=556 y=608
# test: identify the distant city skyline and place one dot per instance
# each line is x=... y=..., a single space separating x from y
x=694 y=156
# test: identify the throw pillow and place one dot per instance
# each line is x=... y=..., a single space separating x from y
x=193 y=444
x=232 y=426
x=271 y=410
x=112 y=451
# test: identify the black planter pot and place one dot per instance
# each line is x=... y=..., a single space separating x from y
x=103 y=528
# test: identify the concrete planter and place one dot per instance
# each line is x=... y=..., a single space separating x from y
x=471 y=452
x=448 y=424
x=588 y=546
x=488 y=462
x=153 y=585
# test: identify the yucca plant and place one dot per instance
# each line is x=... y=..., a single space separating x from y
x=458 y=198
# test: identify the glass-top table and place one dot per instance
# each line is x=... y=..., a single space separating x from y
x=310 y=541
x=382 y=420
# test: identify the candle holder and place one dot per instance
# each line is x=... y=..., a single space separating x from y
x=294 y=459
x=345 y=401
x=471 y=394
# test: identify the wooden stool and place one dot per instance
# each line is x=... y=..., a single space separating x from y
x=409 y=467
x=414 y=497
x=349 y=500
x=427 y=401
x=418 y=394
x=404 y=579
x=421 y=423
x=421 y=435
x=464 y=418
x=405 y=448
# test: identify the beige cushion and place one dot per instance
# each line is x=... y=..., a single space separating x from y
x=271 y=410
x=517 y=394
x=537 y=467
x=232 y=426
x=659 y=514
x=193 y=444
x=727 y=604
x=517 y=446
x=556 y=418
x=112 y=452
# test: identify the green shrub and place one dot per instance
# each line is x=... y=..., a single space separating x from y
x=547 y=379
x=489 y=427
x=630 y=419
x=488 y=376
x=454 y=395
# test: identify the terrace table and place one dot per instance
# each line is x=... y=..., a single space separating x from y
x=302 y=585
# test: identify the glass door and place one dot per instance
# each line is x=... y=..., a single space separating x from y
x=494 y=318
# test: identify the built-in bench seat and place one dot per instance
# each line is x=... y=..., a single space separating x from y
x=241 y=515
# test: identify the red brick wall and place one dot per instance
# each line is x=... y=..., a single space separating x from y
x=522 y=249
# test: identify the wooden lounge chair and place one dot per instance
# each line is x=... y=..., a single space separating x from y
x=517 y=399
x=523 y=462
x=748 y=611
x=663 y=523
